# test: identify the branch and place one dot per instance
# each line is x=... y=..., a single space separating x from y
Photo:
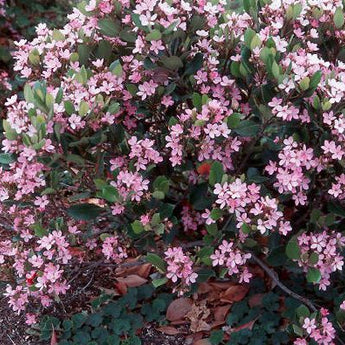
x=275 y=278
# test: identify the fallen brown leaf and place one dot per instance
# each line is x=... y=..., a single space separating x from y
x=221 y=285
x=178 y=309
x=141 y=270
x=202 y=342
x=221 y=312
x=132 y=280
x=168 y=330
x=197 y=316
x=234 y=293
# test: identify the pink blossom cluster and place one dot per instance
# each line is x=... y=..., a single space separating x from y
x=250 y=208
x=143 y=153
x=131 y=186
x=179 y=269
x=295 y=161
x=323 y=252
x=321 y=331
x=229 y=256
x=191 y=219
x=112 y=249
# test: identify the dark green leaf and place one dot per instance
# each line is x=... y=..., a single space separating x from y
x=84 y=211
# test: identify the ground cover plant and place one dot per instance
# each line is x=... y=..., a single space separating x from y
x=195 y=147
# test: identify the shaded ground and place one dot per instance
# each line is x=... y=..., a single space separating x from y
x=13 y=330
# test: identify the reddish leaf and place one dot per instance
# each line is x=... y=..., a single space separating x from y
x=204 y=169
x=53 y=339
x=178 y=309
x=121 y=287
x=249 y=325
x=76 y=252
x=255 y=300
x=132 y=280
x=234 y=293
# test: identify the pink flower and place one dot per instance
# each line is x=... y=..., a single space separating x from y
x=147 y=89
x=30 y=319
x=309 y=325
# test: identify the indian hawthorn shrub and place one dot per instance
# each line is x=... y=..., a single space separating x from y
x=198 y=135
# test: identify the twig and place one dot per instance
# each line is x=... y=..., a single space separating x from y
x=11 y=339
x=275 y=278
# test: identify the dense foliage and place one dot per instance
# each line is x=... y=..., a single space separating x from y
x=206 y=141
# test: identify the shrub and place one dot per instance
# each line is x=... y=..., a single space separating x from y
x=198 y=135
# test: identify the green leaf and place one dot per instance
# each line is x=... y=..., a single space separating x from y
x=10 y=133
x=161 y=183
x=196 y=99
x=216 y=173
x=293 y=250
x=212 y=229
x=137 y=227
x=158 y=195
x=34 y=57
x=39 y=230
x=154 y=35
x=69 y=107
x=59 y=95
x=114 y=108
x=159 y=282
x=84 y=211
x=247 y=128
x=234 y=120
x=302 y=311
x=248 y=36
x=315 y=79
x=338 y=18
x=95 y=320
x=256 y=42
x=79 y=319
x=172 y=62
x=313 y=259
x=298 y=330
x=127 y=36
x=116 y=68
x=109 y=27
x=83 y=108
x=109 y=193
x=313 y=275
x=28 y=94
x=275 y=70
x=305 y=83
x=58 y=35
x=84 y=52
x=156 y=261
x=6 y=158
x=104 y=51
x=193 y=66
x=216 y=214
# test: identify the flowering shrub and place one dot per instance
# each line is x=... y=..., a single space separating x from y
x=198 y=135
